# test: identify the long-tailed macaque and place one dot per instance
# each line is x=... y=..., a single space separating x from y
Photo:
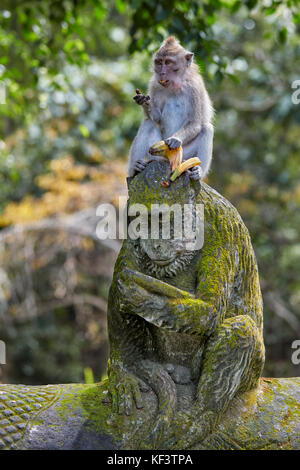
x=177 y=110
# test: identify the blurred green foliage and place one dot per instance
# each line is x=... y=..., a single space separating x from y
x=70 y=70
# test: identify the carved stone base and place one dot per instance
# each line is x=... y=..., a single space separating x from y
x=79 y=416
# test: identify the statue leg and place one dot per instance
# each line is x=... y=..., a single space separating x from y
x=232 y=362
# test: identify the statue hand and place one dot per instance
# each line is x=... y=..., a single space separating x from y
x=124 y=389
x=156 y=286
x=153 y=300
x=133 y=297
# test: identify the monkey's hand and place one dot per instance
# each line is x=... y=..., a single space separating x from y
x=124 y=388
x=195 y=173
x=141 y=99
x=173 y=143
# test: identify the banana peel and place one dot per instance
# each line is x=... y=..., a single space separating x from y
x=174 y=157
x=190 y=163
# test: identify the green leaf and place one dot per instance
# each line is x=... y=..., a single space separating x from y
x=251 y=4
x=100 y=11
x=282 y=36
x=84 y=130
x=121 y=6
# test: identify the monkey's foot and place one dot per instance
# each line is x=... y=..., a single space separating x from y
x=195 y=173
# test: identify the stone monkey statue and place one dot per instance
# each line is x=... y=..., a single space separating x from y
x=178 y=316
x=178 y=110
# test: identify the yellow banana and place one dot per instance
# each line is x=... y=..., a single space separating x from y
x=174 y=156
x=160 y=148
x=190 y=163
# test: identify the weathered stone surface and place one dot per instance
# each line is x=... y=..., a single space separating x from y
x=178 y=315
x=75 y=417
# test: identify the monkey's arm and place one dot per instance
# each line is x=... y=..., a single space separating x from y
x=186 y=134
x=151 y=110
x=194 y=123
x=168 y=307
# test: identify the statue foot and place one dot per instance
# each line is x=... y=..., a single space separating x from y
x=192 y=427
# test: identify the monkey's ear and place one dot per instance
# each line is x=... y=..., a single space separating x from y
x=189 y=58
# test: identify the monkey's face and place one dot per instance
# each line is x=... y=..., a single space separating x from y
x=171 y=69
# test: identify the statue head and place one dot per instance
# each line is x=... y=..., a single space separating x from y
x=166 y=248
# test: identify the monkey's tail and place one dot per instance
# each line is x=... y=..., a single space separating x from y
x=165 y=389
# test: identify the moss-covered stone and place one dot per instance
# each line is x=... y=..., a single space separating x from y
x=178 y=315
x=80 y=417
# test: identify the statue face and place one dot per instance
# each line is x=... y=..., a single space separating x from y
x=163 y=252
x=163 y=258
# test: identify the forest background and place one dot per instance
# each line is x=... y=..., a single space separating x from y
x=68 y=72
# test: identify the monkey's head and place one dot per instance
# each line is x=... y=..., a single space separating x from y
x=171 y=64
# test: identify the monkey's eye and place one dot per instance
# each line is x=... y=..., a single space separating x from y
x=175 y=70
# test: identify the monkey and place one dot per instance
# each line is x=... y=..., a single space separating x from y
x=177 y=109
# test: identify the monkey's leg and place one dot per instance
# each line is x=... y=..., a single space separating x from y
x=232 y=363
x=147 y=135
x=201 y=147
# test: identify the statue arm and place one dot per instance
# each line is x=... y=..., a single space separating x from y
x=128 y=371
x=168 y=307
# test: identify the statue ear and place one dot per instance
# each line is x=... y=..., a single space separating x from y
x=189 y=58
